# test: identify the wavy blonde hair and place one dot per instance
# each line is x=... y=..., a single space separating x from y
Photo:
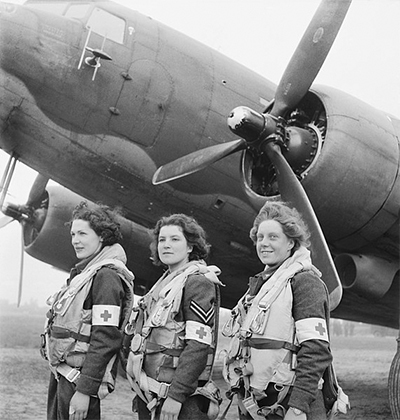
x=293 y=225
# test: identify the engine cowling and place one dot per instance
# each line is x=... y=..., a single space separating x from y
x=47 y=238
x=369 y=276
x=348 y=167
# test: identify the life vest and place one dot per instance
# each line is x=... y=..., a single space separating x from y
x=68 y=325
x=158 y=338
x=263 y=342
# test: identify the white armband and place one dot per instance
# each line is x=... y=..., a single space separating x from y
x=311 y=329
x=199 y=332
x=105 y=315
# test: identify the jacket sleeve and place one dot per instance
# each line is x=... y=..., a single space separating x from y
x=310 y=301
x=105 y=300
x=198 y=305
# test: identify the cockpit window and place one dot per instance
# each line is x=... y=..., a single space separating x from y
x=77 y=11
x=107 y=25
x=100 y=21
x=57 y=8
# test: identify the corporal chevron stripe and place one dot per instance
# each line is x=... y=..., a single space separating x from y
x=206 y=317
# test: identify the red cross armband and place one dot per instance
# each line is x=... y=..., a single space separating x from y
x=199 y=332
x=105 y=315
x=311 y=329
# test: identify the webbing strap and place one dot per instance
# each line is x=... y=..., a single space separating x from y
x=225 y=412
x=58 y=332
x=152 y=347
x=266 y=343
x=277 y=407
x=136 y=388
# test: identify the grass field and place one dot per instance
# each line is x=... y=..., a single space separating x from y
x=362 y=363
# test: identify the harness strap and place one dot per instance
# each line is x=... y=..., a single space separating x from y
x=152 y=347
x=135 y=386
x=59 y=332
x=246 y=377
x=148 y=384
x=159 y=388
x=140 y=320
x=277 y=407
x=266 y=343
x=225 y=412
x=148 y=389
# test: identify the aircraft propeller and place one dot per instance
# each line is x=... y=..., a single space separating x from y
x=269 y=133
x=25 y=214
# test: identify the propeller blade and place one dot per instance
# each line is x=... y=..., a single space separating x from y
x=293 y=192
x=37 y=190
x=196 y=161
x=6 y=178
x=21 y=266
x=310 y=54
x=4 y=221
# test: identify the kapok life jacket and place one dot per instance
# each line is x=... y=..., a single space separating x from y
x=68 y=325
x=263 y=343
x=159 y=339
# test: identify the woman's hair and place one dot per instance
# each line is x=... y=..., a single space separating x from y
x=193 y=232
x=292 y=223
x=101 y=219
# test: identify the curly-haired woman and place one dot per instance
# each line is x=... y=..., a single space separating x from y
x=279 y=337
x=173 y=348
x=87 y=316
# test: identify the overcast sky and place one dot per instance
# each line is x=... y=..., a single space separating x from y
x=262 y=35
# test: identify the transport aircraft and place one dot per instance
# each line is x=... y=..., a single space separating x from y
x=119 y=108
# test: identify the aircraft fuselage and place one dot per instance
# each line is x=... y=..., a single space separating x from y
x=103 y=131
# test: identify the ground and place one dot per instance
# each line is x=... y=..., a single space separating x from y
x=362 y=365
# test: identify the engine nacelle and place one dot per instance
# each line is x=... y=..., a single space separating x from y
x=355 y=184
x=369 y=276
x=348 y=165
x=48 y=238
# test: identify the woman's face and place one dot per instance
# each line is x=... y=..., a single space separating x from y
x=84 y=239
x=273 y=246
x=173 y=249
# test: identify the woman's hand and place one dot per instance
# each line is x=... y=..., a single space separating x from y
x=170 y=409
x=79 y=406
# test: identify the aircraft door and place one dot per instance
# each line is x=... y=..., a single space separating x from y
x=143 y=101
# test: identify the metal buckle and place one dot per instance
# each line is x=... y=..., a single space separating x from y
x=263 y=306
x=163 y=391
x=137 y=343
x=72 y=375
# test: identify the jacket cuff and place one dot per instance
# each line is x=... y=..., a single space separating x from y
x=301 y=399
x=87 y=385
x=177 y=397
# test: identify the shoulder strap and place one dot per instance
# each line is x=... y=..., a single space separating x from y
x=216 y=323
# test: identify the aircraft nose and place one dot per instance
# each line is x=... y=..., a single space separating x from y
x=17 y=28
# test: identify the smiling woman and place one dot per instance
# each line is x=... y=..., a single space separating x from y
x=283 y=315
